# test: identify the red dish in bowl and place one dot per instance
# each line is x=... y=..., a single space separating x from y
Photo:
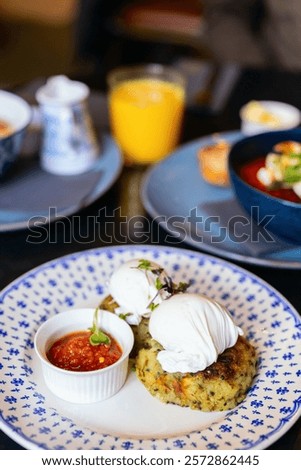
x=280 y=205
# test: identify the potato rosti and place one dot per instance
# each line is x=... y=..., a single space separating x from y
x=219 y=387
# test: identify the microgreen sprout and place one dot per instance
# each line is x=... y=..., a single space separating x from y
x=97 y=336
x=152 y=306
x=158 y=284
x=144 y=264
x=165 y=284
x=123 y=315
x=147 y=266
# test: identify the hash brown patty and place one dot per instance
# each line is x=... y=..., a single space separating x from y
x=221 y=386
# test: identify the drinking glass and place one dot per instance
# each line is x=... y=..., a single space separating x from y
x=146 y=107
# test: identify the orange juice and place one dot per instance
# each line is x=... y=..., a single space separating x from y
x=146 y=117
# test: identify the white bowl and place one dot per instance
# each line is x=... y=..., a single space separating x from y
x=84 y=387
x=16 y=112
x=289 y=118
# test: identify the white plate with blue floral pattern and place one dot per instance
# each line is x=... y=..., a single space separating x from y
x=133 y=419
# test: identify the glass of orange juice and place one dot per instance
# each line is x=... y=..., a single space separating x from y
x=146 y=106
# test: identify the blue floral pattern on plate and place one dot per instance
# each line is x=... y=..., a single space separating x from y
x=32 y=416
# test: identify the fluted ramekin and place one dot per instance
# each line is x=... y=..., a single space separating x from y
x=91 y=386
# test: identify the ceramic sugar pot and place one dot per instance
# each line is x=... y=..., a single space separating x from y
x=69 y=144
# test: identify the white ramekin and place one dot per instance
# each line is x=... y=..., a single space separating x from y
x=288 y=114
x=84 y=387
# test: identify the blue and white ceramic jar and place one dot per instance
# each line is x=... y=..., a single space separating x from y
x=69 y=142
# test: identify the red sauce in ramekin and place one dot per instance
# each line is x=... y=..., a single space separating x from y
x=74 y=352
x=248 y=172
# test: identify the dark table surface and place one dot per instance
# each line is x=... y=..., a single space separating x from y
x=17 y=256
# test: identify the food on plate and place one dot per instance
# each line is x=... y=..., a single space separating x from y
x=136 y=288
x=141 y=333
x=188 y=350
x=195 y=355
x=288 y=147
x=84 y=351
x=256 y=112
x=75 y=352
x=213 y=162
x=221 y=386
x=81 y=364
x=5 y=128
x=278 y=173
x=193 y=331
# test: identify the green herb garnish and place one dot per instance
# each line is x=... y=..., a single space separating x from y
x=158 y=284
x=292 y=174
x=144 y=264
x=147 y=266
x=123 y=315
x=97 y=336
x=152 y=306
x=173 y=288
x=165 y=284
x=181 y=287
x=295 y=155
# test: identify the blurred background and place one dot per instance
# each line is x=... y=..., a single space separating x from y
x=46 y=37
x=36 y=38
x=84 y=39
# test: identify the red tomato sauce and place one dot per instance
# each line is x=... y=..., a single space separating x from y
x=248 y=172
x=74 y=352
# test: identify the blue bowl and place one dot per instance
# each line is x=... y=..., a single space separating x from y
x=17 y=113
x=281 y=217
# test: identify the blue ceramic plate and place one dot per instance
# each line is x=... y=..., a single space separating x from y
x=133 y=419
x=30 y=196
x=209 y=217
